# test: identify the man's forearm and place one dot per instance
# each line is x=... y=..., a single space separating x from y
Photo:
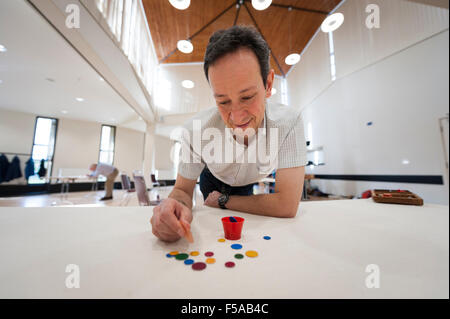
x=265 y=204
x=182 y=197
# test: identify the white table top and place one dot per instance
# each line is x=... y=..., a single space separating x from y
x=322 y=253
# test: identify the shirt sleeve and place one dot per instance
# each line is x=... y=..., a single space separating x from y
x=292 y=152
x=94 y=174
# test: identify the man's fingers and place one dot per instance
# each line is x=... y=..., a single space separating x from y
x=168 y=236
x=172 y=222
x=185 y=224
x=184 y=213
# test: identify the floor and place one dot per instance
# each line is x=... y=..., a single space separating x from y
x=91 y=198
x=120 y=198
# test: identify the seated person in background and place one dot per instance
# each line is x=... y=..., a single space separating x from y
x=110 y=172
x=238 y=70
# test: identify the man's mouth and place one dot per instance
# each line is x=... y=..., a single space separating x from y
x=243 y=126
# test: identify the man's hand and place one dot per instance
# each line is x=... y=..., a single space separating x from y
x=213 y=199
x=167 y=219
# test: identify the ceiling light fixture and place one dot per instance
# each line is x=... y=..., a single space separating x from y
x=102 y=79
x=261 y=4
x=292 y=59
x=64 y=112
x=332 y=22
x=188 y=84
x=180 y=4
x=185 y=46
x=274 y=91
x=79 y=99
x=3 y=48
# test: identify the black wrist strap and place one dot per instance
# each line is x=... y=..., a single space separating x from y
x=222 y=204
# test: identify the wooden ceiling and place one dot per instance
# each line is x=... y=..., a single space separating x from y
x=204 y=17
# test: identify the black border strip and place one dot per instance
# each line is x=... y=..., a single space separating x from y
x=41 y=189
x=414 y=179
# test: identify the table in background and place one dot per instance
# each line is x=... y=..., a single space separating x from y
x=65 y=182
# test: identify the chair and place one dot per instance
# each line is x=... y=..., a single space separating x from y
x=126 y=183
x=154 y=181
x=141 y=190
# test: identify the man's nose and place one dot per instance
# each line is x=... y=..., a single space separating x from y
x=238 y=115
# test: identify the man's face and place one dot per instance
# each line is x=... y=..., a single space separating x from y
x=239 y=89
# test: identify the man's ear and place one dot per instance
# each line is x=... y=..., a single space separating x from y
x=269 y=83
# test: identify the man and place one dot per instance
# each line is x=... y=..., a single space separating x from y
x=237 y=67
x=110 y=172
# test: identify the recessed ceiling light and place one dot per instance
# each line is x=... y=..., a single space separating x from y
x=405 y=162
x=188 y=84
x=274 y=91
x=102 y=79
x=79 y=99
x=332 y=22
x=292 y=59
x=185 y=46
x=180 y=4
x=3 y=48
x=261 y=4
x=64 y=112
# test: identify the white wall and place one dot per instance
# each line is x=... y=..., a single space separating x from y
x=402 y=23
x=311 y=75
x=404 y=96
x=77 y=143
x=164 y=166
x=129 y=150
x=397 y=78
x=16 y=131
x=16 y=136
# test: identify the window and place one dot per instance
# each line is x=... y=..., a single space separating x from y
x=43 y=147
x=284 y=92
x=332 y=56
x=107 y=138
x=176 y=149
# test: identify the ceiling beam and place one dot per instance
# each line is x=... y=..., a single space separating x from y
x=297 y=8
x=271 y=52
x=237 y=14
x=201 y=29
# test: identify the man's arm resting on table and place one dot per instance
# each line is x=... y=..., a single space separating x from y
x=183 y=191
x=283 y=203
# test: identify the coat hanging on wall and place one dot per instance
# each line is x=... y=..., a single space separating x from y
x=4 y=164
x=42 y=170
x=13 y=170
x=29 y=168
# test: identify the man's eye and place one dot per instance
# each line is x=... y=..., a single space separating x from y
x=247 y=97
x=224 y=103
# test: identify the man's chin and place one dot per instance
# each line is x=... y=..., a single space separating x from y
x=248 y=131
